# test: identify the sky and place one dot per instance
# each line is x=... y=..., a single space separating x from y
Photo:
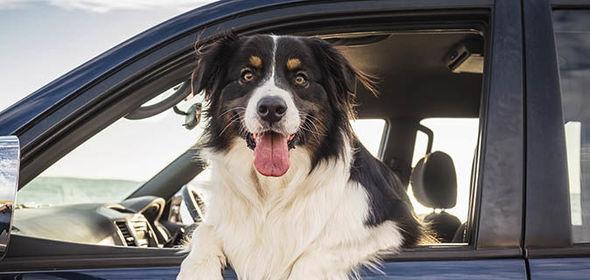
x=41 y=40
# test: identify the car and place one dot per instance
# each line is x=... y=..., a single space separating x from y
x=481 y=113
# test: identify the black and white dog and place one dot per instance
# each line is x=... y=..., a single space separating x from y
x=294 y=194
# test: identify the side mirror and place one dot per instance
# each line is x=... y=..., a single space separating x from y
x=9 y=170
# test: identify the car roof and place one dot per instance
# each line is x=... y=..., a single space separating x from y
x=413 y=78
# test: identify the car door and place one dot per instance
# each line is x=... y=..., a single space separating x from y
x=57 y=118
x=557 y=191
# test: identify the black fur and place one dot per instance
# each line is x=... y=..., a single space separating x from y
x=387 y=195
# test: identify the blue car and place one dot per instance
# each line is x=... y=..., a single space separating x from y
x=497 y=89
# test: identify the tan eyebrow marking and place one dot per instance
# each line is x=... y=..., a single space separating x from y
x=293 y=63
x=255 y=61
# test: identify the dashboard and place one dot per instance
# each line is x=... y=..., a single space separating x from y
x=132 y=223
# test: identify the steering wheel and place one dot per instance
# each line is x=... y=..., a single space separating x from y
x=190 y=199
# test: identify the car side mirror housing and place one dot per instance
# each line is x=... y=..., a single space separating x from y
x=9 y=171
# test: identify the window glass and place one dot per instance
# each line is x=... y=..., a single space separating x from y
x=457 y=137
x=115 y=162
x=573 y=138
x=370 y=133
x=420 y=147
x=572 y=33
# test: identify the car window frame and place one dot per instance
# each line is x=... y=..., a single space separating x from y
x=91 y=109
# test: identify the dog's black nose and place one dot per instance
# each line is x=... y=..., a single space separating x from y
x=271 y=108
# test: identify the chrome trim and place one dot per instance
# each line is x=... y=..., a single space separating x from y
x=9 y=170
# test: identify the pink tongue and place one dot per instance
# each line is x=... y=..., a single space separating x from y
x=271 y=155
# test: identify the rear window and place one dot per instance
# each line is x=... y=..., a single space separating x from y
x=370 y=133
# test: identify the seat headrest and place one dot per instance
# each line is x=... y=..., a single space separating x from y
x=444 y=225
x=434 y=181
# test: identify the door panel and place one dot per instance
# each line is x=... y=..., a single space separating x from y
x=562 y=268
x=441 y=270
x=474 y=269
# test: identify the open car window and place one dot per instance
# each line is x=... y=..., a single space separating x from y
x=118 y=160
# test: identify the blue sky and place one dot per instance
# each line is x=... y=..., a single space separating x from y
x=42 y=39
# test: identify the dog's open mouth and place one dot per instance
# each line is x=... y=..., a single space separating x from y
x=271 y=152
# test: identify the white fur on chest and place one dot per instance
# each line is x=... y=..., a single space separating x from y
x=267 y=224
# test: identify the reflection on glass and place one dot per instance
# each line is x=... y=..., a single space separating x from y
x=9 y=168
x=572 y=33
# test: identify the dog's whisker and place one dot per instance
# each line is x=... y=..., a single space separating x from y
x=314 y=130
x=315 y=126
x=231 y=122
x=315 y=134
x=315 y=121
x=318 y=122
x=231 y=110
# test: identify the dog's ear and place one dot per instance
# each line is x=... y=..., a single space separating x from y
x=342 y=77
x=212 y=57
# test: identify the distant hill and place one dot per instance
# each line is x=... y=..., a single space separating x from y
x=64 y=190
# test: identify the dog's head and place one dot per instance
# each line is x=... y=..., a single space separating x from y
x=276 y=93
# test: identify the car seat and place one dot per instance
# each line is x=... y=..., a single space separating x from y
x=434 y=183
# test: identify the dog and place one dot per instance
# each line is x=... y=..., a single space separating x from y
x=294 y=194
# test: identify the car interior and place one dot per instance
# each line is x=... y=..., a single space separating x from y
x=424 y=73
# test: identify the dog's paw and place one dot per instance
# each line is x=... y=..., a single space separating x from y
x=206 y=259
x=200 y=271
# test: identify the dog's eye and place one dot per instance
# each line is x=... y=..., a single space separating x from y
x=247 y=75
x=301 y=79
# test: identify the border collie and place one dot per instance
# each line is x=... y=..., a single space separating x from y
x=294 y=194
